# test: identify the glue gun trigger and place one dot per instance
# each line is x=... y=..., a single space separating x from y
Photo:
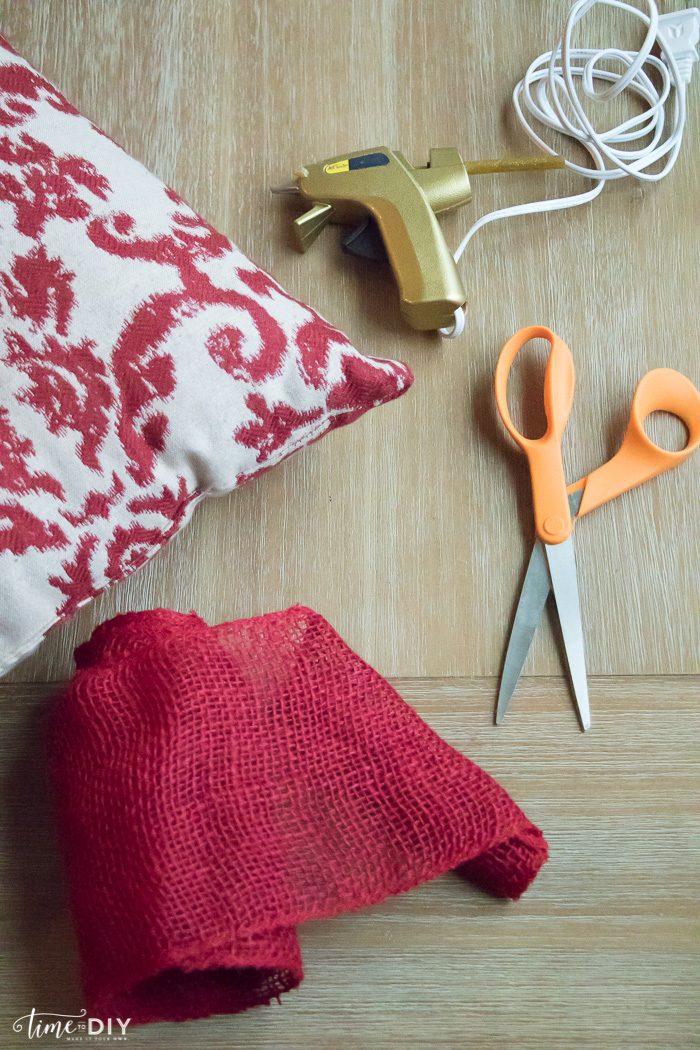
x=365 y=242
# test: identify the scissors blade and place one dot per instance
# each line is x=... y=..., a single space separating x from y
x=562 y=570
x=533 y=598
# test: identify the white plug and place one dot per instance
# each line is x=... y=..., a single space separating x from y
x=678 y=34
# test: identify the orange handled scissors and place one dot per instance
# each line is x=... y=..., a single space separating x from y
x=552 y=565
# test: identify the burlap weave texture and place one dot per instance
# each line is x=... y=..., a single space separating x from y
x=218 y=786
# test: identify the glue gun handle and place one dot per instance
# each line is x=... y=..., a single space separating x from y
x=430 y=288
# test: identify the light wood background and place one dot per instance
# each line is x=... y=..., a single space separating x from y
x=410 y=529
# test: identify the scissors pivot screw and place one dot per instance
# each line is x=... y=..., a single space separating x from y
x=554 y=525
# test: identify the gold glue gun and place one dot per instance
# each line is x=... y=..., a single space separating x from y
x=394 y=206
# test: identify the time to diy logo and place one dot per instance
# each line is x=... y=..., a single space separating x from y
x=73 y=1028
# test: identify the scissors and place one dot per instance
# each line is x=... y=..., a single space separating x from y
x=552 y=565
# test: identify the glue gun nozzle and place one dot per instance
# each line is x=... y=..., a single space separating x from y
x=288 y=188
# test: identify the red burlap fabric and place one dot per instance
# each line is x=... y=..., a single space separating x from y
x=218 y=786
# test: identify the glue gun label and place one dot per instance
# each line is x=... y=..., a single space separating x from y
x=368 y=160
x=336 y=167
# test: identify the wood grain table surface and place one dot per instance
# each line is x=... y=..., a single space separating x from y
x=409 y=530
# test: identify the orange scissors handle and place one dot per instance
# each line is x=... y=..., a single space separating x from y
x=639 y=459
x=552 y=516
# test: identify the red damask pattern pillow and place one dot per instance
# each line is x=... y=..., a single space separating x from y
x=145 y=362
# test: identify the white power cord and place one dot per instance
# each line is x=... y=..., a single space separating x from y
x=547 y=97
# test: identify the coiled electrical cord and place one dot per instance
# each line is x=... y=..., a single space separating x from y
x=550 y=96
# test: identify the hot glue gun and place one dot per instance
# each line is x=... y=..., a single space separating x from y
x=394 y=206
